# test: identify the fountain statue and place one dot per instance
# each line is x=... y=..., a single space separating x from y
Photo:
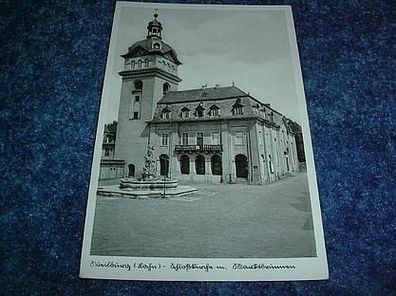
x=150 y=167
x=149 y=180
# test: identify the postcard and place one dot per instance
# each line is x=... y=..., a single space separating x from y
x=203 y=167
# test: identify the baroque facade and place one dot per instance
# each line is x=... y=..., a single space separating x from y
x=216 y=134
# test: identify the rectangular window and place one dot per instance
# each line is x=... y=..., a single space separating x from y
x=135 y=115
x=239 y=138
x=214 y=112
x=165 y=115
x=137 y=98
x=164 y=139
x=184 y=139
x=238 y=111
x=260 y=136
x=200 y=139
x=215 y=138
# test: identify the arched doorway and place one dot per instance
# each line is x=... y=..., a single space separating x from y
x=241 y=164
x=215 y=162
x=185 y=165
x=164 y=164
x=200 y=165
x=131 y=170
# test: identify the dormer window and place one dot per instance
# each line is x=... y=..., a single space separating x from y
x=204 y=94
x=157 y=45
x=199 y=111
x=263 y=113
x=214 y=111
x=256 y=109
x=271 y=116
x=185 y=112
x=165 y=113
x=237 y=108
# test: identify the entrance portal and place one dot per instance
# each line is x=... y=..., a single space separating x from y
x=241 y=164
x=131 y=170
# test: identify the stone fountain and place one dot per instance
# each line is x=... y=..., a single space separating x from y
x=149 y=179
x=149 y=185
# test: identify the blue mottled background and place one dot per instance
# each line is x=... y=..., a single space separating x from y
x=53 y=57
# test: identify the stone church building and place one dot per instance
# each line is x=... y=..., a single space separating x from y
x=213 y=134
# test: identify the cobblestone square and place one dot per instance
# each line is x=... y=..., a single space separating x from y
x=219 y=221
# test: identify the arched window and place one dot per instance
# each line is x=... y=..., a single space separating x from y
x=200 y=165
x=146 y=63
x=133 y=65
x=185 y=165
x=140 y=63
x=156 y=45
x=216 y=165
x=271 y=164
x=164 y=164
x=165 y=88
x=138 y=84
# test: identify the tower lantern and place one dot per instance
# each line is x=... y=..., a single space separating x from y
x=154 y=28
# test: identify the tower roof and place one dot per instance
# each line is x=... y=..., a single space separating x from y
x=154 y=22
x=147 y=46
x=153 y=44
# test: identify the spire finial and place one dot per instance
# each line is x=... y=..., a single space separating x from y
x=155 y=13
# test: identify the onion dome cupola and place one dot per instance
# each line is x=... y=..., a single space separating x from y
x=154 y=28
x=153 y=44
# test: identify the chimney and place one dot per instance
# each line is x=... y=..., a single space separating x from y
x=217 y=86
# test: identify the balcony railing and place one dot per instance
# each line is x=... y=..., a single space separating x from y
x=199 y=148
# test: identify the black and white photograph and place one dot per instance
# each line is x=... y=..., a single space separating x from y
x=203 y=166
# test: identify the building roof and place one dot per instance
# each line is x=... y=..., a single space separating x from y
x=146 y=45
x=202 y=94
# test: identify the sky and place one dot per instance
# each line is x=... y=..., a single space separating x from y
x=250 y=47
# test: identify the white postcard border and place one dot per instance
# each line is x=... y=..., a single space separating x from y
x=197 y=269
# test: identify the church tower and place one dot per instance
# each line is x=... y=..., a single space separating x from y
x=150 y=71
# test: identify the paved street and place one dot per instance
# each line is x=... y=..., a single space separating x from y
x=230 y=220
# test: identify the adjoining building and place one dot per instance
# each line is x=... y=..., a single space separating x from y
x=217 y=134
x=110 y=167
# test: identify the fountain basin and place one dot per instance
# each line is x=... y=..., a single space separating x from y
x=153 y=184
